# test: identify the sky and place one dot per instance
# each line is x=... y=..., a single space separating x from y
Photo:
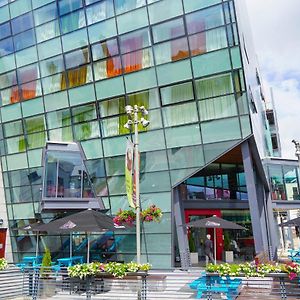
x=276 y=34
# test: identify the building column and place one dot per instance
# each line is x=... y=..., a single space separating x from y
x=255 y=210
x=181 y=230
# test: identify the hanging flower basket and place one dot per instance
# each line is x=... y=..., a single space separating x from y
x=150 y=214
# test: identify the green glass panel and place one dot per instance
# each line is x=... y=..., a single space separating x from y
x=86 y=131
x=7 y=63
x=49 y=48
x=211 y=63
x=59 y=118
x=140 y=80
x=84 y=113
x=191 y=5
x=173 y=72
x=168 y=30
x=246 y=126
x=61 y=134
x=183 y=136
x=16 y=144
x=4 y=164
x=177 y=93
x=242 y=102
x=114 y=146
x=125 y=23
x=186 y=157
x=4 y=13
x=177 y=176
x=23 y=211
x=56 y=101
x=17 y=161
x=92 y=149
x=32 y=107
x=236 y=57
x=102 y=30
x=116 y=185
x=19 y=7
x=112 y=107
x=36 y=140
x=75 y=40
x=155 y=182
x=180 y=114
x=153 y=246
x=82 y=94
x=165 y=9
x=35 y=124
x=151 y=140
x=162 y=200
x=11 y=112
x=221 y=130
x=13 y=128
x=47 y=31
x=26 y=56
x=109 y=88
x=35 y=158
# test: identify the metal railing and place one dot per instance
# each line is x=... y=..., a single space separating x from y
x=28 y=285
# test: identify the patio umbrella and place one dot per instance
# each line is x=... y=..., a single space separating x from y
x=86 y=221
x=291 y=223
x=214 y=222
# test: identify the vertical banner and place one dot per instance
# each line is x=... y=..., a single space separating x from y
x=134 y=176
x=128 y=172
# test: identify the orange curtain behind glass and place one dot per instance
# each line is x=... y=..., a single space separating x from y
x=113 y=66
x=198 y=41
x=179 y=48
x=133 y=61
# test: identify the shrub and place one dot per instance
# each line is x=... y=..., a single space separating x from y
x=3 y=264
x=46 y=264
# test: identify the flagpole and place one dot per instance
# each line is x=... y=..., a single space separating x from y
x=215 y=246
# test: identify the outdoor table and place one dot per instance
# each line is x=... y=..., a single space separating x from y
x=70 y=261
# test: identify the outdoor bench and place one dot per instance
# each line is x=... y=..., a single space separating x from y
x=216 y=284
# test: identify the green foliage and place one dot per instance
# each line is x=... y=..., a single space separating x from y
x=192 y=244
x=3 y=264
x=226 y=241
x=118 y=270
x=46 y=264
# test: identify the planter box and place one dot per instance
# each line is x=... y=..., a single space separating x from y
x=228 y=256
x=194 y=258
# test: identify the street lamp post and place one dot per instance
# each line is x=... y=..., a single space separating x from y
x=132 y=113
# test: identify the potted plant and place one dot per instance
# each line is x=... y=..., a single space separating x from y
x=3 y=264
x=193 y=250
x=47 y=289
x=228 y=253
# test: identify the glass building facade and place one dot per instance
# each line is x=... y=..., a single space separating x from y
x=68 y=68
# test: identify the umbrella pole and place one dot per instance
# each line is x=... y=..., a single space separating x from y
x=215 y=246
x=88 y=248
x=37 y=245
x=71 y=244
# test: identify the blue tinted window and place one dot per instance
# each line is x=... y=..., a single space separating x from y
x=126 y=5
x=4 y=30
x=45 y=14
x=3 y=2
x=72 y=21
x=24 y=40
x=22 y=23
x=6 y=46
x=99 y=11
x=66 y=6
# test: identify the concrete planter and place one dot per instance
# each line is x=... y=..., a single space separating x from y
x=228 y=256
x=194 y=258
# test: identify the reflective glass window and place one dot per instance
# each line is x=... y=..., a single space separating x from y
x=66 y=6
x=177 y=93
x=84 y=113
x=16 y=144
x=108 y=68
x=86 y=131
x=31 y=89
x=3 y=2
x=24 y=40
x=180 y=114
x=134 y=41
x=22 y=23
x=35 y=124
x=147 y=98
x=105 y=49
x=36 y=140
x=214 y=86
x=59 y=118
x=5 y=30
x=6 y=47
x=208 y=41
x=112 y=107
x=77 y=58
x=28 y=73
x=171 y=51
x=53 y=83
x=204 y=19
x=47 y=31
x=138 y=60
x=52 y=66
x=10 y=95
x=291 y=182
x=102 y=30
x=168 y=30
x=77 y=76
x=75 y=39
x=277 y=183
x=8 y=79
x=63 y=134
x=190 y=5
x=122 y=6
x=45 y=14
x=72 y=21
x=99 y=11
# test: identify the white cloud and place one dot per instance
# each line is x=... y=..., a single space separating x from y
x=275 y=27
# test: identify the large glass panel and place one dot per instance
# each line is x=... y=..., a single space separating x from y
x=52 y=66
x=78 y=76
x=66 y=6
x=64 y=134
x=177 y=93
x=277 y=183
x=59 y=118
x=138 y=60
x=5 y=30
x=31 y=89
x=26 y=56
x=47 y=31
x=56 y=101
x=122 y=6
x=6 y=47
x=208 y=41
x=13 y=128
x=74 y=40
x=35 y=124
x=77 y=58
x=135 y=40
x=108 y=68
x=10 y=95
x=92 y=149
x=190 y=5
x=53 y=84
x=36 y=140
x=291 y=182
x=165 y=9
x=221 y=130
x=33 y=107
x=214 y=86
x=24 y=40
x=4 y=14
x=109 y=88
x=102 y=30
x=112 y=107
x=86 y=131
x=141 y=80
x=19 y=7
x=168 y=30
x=72 y=21
x=8 y=79
x=180 y=114
x=82 y=94
x=16 y=144
x=22 y=23
x=7 y=63
x=204 y=19
x=99 y=11
x=50 y=48
x=105 y=49
x=28 y=73
x=216 y=108
x=45 y=14
x=84 y=113
x=148 y=98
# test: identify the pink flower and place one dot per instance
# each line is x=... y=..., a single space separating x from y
x=292 y=275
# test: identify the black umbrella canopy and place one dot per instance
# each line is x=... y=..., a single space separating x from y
x=290 y=223
x=29 y=227
x=86 y=221
x=214 y=222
